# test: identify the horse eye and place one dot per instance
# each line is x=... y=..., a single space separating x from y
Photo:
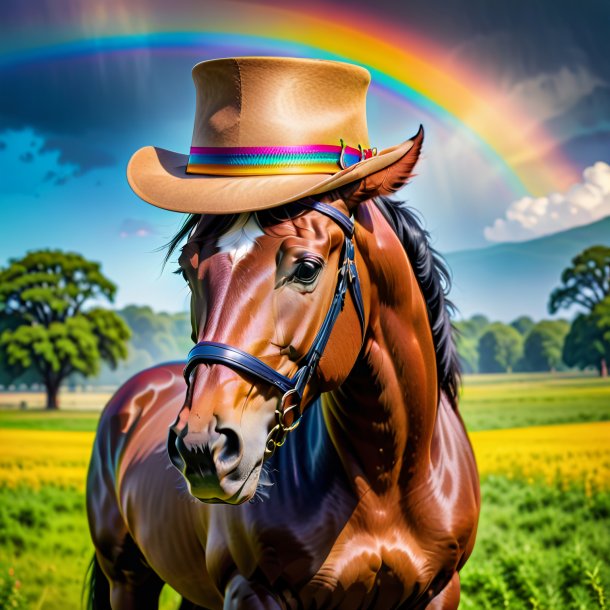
x=307 y=271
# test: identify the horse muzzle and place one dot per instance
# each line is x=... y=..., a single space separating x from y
x=211 y=462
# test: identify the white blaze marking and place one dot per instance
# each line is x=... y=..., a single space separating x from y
x=240 y=238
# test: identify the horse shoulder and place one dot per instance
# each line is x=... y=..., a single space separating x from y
x=137 y=400
x=455 y=478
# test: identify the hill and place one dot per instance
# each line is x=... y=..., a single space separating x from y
x=510 y=279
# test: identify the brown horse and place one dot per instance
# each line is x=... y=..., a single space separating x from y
x=372 y=502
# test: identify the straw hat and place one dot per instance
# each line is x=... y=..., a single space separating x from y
x=268 y=131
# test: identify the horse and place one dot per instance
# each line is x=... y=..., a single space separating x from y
x=313 y=456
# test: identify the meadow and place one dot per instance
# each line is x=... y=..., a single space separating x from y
x=543 y=448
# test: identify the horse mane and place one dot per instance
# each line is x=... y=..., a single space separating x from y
x=434 y=279
x=430 y=270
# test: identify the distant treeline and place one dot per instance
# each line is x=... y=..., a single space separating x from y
x=483 y=346
x=523 y=345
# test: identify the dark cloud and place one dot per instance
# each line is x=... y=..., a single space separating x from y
x=79 y=151
x=86 y=111
x=84 y=106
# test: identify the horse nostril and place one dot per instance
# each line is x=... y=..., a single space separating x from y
x=227 y=450
x=172 y=449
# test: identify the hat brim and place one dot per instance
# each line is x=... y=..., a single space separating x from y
x=159 y=177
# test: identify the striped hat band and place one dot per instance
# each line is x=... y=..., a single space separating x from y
x=268 y=160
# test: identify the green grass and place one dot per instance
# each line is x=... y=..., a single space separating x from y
x=44 y=537
x=491 y=402
x=537 y=547
x=487 y=402
x=40 y=419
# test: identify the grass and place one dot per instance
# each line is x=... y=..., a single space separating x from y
x=538 y=546
x=41 y=419
x=490 y=402
x=544 y=533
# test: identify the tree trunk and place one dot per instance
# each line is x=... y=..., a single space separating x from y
x=603 y=368
x=52 y=390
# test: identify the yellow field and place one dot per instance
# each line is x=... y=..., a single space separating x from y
x=36 y=457
x=562 y=454
x=559 y=454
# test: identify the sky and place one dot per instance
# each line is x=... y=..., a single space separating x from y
x=514 y=98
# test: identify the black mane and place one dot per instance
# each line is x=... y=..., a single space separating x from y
x=434 y=279
x=430 y=270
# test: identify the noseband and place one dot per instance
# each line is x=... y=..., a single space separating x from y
x=210 y=352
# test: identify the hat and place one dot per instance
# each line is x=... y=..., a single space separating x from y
x=268 y=131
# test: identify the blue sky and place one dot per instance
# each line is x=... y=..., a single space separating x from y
x=69 y=126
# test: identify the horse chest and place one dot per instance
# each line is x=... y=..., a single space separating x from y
x=371 y=565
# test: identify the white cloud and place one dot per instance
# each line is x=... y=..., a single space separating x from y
x=547 y=95
x=532 y=217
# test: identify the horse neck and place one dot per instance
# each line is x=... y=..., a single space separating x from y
x=382 y=418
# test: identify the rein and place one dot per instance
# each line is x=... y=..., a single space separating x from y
x=211 y=352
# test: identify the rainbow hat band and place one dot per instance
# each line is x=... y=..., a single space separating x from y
x=268 y=160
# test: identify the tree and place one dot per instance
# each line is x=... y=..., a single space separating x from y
x=44 y=295
x=586 y=284
x=467 y=334
x=500 y=348
x=544 y=345
x=523 y=324
x=588 y=342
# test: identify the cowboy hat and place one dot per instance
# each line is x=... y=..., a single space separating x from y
x=268 y=131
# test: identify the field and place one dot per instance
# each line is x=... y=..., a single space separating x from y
x=543 y=449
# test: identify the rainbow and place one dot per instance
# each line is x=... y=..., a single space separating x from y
x=411 y=68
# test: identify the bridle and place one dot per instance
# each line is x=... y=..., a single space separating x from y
x=211 y=352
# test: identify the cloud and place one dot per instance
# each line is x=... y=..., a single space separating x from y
x=550 y=94
x=132 y=227
x=28 y=164
x=531 y=217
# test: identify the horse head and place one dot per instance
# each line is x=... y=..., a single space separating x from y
x=279 y=303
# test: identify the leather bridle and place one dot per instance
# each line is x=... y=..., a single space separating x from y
x=288 y=415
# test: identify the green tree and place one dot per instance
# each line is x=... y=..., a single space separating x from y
x=586 y=346
x=586 y=284
x=543 y=345
x=500 y=348
x=523 y=324
x=467 y=334
x=44 y=294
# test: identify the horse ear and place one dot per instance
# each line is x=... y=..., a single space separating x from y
x=386 y=181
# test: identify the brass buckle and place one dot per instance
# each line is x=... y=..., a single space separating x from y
x=277 y=437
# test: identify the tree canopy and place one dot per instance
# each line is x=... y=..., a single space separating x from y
x=43 y=296
x=500 y=348
x=523 y=324
x=543 y=345
x=585 y=283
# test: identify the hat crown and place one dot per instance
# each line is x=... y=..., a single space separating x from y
x=276 y=101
